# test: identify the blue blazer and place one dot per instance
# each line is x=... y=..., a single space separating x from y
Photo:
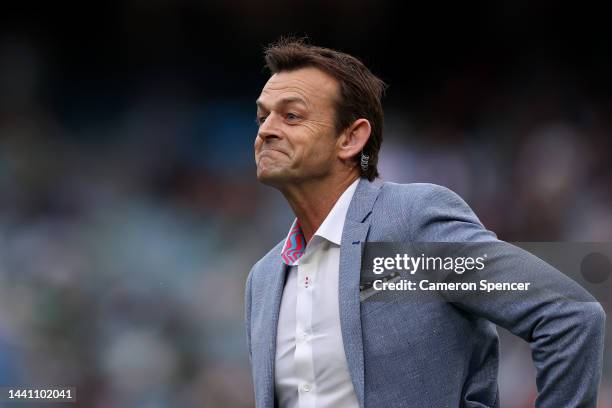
x=434 y=354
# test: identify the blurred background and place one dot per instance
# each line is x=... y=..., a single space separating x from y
x=130 y=214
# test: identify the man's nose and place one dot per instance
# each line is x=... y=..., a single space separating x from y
x=269 y=129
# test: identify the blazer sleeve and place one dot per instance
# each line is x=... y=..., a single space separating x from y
x=247 y=311
x=565 y=336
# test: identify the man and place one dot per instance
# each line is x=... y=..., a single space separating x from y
x=312 y=342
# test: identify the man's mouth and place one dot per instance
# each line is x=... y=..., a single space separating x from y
x=268 y=150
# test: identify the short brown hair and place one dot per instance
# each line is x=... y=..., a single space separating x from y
x=360 y=90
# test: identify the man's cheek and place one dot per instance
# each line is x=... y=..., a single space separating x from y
x=257 y=144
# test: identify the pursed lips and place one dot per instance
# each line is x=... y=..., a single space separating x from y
x=267 y=150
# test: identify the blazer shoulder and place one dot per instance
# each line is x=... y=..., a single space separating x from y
x=418 y=190
x=421 y=198
x=431 y=212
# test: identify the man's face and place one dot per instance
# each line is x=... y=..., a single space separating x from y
x=296 y=140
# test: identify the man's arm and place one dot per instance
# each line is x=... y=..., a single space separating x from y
x=247 y=310
x=565 y=336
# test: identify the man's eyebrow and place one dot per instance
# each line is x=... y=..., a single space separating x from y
x=284 y=101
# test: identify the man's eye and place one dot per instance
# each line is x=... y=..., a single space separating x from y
x=259 y=120
x=292 y=116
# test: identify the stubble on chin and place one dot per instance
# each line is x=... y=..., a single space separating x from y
x=268 y=173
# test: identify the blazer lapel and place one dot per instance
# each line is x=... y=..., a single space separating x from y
x=271 y=308
x=354 y=235
x=350 y=313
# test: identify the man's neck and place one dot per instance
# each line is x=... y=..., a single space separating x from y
x=312 y=201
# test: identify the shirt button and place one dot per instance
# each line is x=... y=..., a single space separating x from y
x=303 y=336
x=306 y=387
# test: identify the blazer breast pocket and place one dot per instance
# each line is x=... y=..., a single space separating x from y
x=367 y=289
x=373 y=299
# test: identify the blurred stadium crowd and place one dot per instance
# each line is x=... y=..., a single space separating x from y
x=129 y=221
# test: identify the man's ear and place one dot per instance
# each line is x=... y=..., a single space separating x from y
x=353 y=139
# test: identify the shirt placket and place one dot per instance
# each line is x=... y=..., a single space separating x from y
x=304 y=359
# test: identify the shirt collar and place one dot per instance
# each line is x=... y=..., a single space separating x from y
x=330 y=229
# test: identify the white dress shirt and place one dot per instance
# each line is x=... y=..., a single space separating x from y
x=311 y=369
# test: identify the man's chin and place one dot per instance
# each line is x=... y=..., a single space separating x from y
x=271 y=178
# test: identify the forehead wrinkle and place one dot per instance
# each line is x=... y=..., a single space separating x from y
x=309 y=88
x=283 y=100
x=286 y=97
x=300 y=86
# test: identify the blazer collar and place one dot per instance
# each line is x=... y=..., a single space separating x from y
x=363 y=200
